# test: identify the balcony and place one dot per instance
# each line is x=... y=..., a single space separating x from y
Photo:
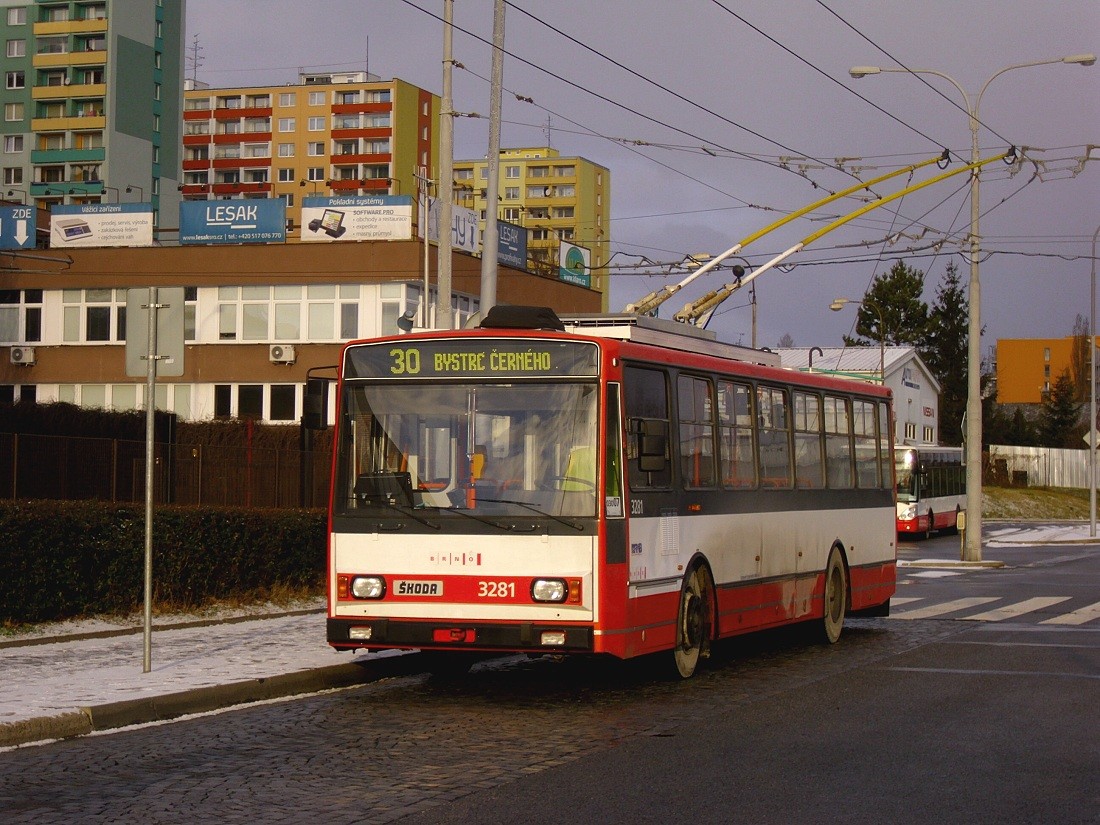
x=67 y=91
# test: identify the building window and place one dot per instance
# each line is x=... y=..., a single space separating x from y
x=286 y=175
x=377 y=147
x=13 y=175
x=286 y=150
x=286 y=124
x=13 y=112
x=13 y=144
x=316 y=98
x=315 y=148
x=287 y=98
x=20 y=316
x=17 y=17
x=315 y=173
x=17 y=48
x=316 y=124
x=16 y=80
x=93 y=315
x=511 y=171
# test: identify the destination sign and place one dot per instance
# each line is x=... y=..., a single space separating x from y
x=472 y=358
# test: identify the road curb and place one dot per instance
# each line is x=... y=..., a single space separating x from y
x=948 y=564
x=200 y=700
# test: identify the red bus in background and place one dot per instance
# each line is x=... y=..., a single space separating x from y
x=614 y=485
x=931 y=487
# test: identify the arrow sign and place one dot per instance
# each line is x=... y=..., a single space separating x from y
x=18 y=227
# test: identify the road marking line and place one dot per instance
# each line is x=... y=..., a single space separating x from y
x=1079 y=616
x=978 y=672
x=894 y=602
x=945 y=607
x=1018 y=609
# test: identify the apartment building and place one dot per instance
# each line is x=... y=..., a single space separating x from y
x=555 y=198
x=1027 y=368
x=331 y=135
x=92 y=99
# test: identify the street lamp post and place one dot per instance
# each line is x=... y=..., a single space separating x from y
x=972 y=550
x=1092 y=392
x=140 y=191
x=839 y=304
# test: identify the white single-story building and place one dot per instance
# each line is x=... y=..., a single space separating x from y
x=916 y=392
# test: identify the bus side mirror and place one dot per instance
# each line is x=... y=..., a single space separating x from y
x=315 y=404
x=652 y=447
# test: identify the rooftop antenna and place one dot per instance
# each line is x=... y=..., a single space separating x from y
x=195 y=58
x=548 y=131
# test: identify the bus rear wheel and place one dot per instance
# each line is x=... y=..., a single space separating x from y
x=694 y=621
x=836 y=598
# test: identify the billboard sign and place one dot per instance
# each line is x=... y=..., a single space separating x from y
x=18 y=227
x=511 y=245
x=465 y=232
x=101 y=224
x=240 y=220
x=574 y=264
x=357 y=218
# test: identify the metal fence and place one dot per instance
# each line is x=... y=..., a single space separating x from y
x=61 y=467
x=1040 y=466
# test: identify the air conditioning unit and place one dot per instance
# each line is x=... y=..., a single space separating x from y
x=23 y=356
x=282 y=354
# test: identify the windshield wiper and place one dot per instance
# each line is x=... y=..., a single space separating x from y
x=406 y=511
x=534 y=509
x=465 y=514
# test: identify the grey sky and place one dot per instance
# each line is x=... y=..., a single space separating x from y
x=755 y=81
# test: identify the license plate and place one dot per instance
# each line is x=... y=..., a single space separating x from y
x=408 y=587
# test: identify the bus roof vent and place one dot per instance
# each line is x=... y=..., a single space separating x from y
x=503 y=316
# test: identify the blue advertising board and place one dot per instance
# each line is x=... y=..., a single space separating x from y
x=511 y=245
x=18 y=227
x=250 y=220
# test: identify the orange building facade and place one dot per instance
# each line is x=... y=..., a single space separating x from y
x=1027 y=368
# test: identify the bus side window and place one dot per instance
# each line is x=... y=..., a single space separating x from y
x=647 y=415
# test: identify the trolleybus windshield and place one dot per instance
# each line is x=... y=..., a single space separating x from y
x=524 y=448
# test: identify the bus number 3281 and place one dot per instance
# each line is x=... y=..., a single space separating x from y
x=496 y=590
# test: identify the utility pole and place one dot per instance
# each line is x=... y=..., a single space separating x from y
x=444 y=319
x=489 y=241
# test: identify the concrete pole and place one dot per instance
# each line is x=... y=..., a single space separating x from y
x=443 y=316
x=1092 y=391
x=489 y=241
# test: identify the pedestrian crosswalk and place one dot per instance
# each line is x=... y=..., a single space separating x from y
x=1037 y=609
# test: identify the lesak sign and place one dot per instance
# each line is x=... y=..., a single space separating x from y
x=233 y=221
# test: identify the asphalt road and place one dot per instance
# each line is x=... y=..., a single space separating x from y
x=938 y=719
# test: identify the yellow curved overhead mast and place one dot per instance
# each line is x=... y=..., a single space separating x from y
x=654 y=299
x=700 y=311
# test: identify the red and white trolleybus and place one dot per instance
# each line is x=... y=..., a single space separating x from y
x=612 y=485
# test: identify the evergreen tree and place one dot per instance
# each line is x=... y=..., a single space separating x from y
x=944 y=350
x=1059 y=421
x=896 y=296
x=787 y=341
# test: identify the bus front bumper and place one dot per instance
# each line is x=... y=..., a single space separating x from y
x=434 y=635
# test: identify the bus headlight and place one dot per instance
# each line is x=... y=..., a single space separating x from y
x=908 y=513
x=368 y=587
x=549 y=590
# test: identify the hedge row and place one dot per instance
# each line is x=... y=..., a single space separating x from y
x=61 y=559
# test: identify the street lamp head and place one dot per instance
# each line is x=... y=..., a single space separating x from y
x=838 y=304
x=863 y=71
x=1080 y=59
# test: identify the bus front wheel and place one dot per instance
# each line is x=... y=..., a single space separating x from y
x=694 y=621
x=836 y=598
